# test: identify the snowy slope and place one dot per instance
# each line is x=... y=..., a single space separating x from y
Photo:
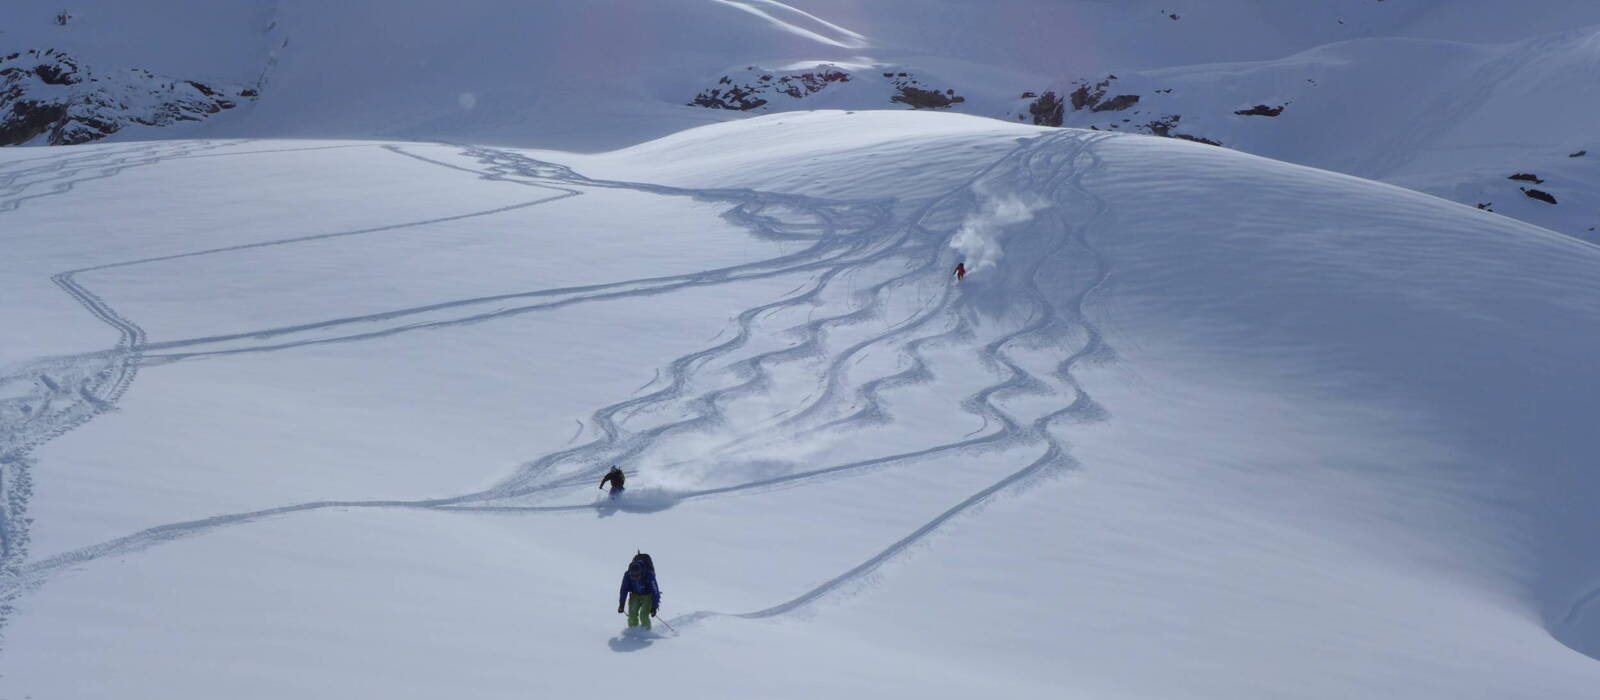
x=1198 y=423
x=1450 y=97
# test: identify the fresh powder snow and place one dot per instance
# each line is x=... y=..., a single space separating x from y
x=309 y=396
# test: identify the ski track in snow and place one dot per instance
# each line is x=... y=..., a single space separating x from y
x=847 y=239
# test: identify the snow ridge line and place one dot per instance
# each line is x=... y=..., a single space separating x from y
x=1579 y=605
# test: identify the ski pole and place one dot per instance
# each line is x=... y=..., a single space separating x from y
x=668 y=624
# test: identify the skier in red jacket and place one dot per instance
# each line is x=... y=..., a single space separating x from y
x=961 y=271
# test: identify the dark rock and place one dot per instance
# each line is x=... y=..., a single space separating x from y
x=1526 y=177
x=743 y=98
x=1540 y=195
x=1093 y=97
x=1166 y=126
x=1082 y=97
x=1118 y=103
x=1485 y=206
x=1028 y=95
x=61 y=72
x=1197 y=139
x=1579 y=154
x=736 y=99
x=1260 y=111
x=917 y=98
x=1048 y=110
x=28 y=119
x=811 y=82
x=48 y=93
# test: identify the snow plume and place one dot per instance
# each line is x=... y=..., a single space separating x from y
x=978 y=241
x=741 y=448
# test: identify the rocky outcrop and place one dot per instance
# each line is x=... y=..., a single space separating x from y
x=1047 y=110
x=1540 y=195
x=1093 y=97
x=1197 y=139
x=911 y=92
x=50 y=97
x=1167 y=126
x=752 y=89
x=759 y=89
x=917 y=98
x=737 y=98
x=1526 y=177
x=1260 y=111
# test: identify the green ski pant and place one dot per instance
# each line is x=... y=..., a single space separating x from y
x=639 y=609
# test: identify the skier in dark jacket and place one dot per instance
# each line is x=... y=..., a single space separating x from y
x=640 y=592
x=616 y=478
x=961 y=271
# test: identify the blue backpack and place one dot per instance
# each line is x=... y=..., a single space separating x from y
x=643 y=559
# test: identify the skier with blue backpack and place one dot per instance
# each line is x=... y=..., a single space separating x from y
x=640 y=592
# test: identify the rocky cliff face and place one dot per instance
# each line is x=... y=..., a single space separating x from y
x=761 y=89
x=50 y=97
x=1100 y=107
x=754 y=87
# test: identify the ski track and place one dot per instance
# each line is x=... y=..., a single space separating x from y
x=847 y=238
x=66 y=174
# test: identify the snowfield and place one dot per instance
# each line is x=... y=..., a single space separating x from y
x=295 y=418
x=310 y=365
x=1448 y=97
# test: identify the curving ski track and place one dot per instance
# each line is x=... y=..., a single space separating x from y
x=847 y=239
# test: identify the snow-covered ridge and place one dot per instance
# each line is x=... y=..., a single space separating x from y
x=1449 y=98
x=49 y=97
